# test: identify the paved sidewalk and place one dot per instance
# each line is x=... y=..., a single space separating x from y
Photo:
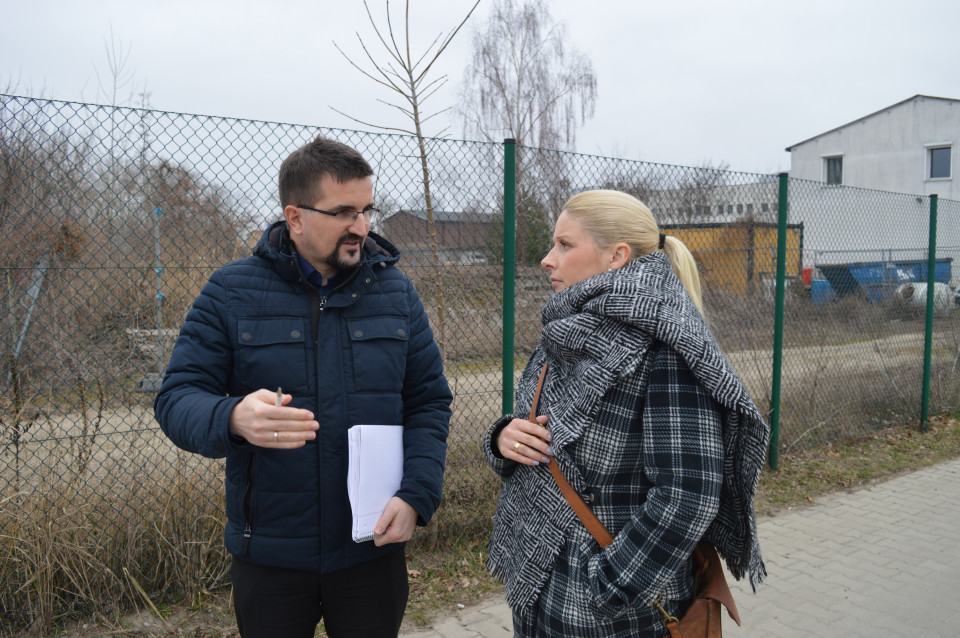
x=881 y=561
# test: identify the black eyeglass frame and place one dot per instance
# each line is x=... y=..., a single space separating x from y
x=356 y=213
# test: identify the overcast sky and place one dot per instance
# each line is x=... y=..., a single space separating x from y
x=679 y=82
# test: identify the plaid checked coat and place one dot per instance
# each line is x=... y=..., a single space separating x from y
x=648 y=417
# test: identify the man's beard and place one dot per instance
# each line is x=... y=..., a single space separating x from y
x=335 y=261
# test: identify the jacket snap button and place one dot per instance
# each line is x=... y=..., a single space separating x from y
x=294 y=334
x=246 y=336
x=401 y=332
x=358 y=333
x=368 y=280
x=354 y=295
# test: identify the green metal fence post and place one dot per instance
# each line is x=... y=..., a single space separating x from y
x=509 y=266
x=928 y=330
x=778 y=322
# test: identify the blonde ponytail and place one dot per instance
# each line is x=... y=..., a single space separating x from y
x=685 y=267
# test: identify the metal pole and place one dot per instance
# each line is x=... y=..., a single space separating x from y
x=928 y=330
x=158 y=269
x=778 y=323
x=33 y=292
x=509 y=266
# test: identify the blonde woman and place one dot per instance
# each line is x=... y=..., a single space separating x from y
x=646 y=419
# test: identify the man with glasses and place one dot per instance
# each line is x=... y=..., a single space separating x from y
x=321 y=311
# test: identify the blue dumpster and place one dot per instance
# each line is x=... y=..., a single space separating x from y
x=878 y=279
x=820 y=292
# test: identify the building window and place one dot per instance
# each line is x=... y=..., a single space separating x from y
x=834 y=171
x=940 y=162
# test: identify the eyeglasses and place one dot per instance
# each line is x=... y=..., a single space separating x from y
x=344 y=215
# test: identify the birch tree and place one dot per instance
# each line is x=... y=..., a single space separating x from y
x=525 y=81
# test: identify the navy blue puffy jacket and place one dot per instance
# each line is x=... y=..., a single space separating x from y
x=365 y=356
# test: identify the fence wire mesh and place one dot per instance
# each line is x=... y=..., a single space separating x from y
x=112 y=219
x=854 y=330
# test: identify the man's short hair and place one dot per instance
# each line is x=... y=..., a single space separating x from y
x=301 y=172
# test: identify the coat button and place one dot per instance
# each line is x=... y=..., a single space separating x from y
x=354 y=295
x=246 y=336
x=294 y=334
x=368 y=280
x=401 y=332
x=218 y=447
x=358 y=333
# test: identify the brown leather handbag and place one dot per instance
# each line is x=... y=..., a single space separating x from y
x=702 y=618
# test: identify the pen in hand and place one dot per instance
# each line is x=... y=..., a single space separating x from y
x=279 y=396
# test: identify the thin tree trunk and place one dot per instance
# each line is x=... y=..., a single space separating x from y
x=431 y=222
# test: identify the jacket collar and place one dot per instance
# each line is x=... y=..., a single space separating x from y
x=276 y=247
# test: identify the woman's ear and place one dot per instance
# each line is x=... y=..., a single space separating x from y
x=619 y=256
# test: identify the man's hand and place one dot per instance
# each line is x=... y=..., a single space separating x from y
x=397 y=523
x=260 y=421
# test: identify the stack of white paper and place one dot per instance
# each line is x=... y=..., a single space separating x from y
x=374 y=474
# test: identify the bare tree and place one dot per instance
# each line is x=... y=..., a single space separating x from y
x=405 y=74
x=698 y=189
x=524 y=81
x=118 y=76
x=117 y=86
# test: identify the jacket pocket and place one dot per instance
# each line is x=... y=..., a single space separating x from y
x=271 y=352
x=378 y=348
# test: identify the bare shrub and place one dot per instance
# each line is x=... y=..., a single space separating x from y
x=83 y=240
x=141 y=518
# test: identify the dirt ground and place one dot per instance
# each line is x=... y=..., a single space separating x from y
x=125 y=433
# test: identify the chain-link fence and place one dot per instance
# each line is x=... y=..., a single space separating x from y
x=856 y=265
x=111 y=220
x=855 y=339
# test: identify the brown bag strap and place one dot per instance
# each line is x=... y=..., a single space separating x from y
x=589 y=519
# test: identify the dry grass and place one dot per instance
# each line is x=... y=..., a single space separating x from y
x=447 y=568
x=849 y=464
x=93 y=531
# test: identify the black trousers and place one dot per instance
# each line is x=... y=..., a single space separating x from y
x=364 y=601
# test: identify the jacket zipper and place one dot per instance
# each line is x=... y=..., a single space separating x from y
x=248 y=505
x=317 y=303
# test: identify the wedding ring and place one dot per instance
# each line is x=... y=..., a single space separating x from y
x=276 y=437
x=516 y=446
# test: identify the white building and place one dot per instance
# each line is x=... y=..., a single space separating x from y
x=860 y=189
x=910 y=147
